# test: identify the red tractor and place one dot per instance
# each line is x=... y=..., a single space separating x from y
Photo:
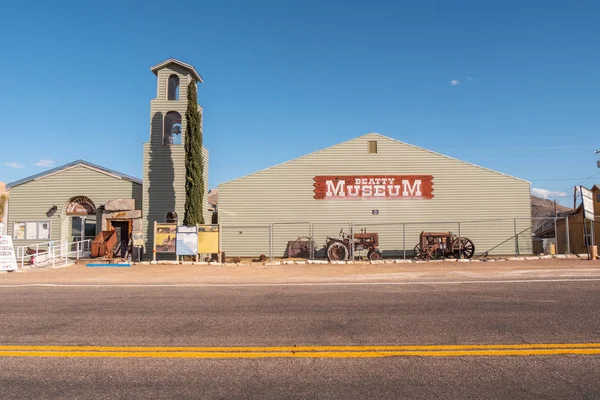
x=338 y=249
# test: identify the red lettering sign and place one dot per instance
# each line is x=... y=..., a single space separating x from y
x=373 y=187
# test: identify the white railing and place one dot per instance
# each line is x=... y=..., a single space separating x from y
x=52 y=253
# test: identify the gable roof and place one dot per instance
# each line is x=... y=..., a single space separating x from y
x=171 y=60
x=377 y=135
x=73 y=164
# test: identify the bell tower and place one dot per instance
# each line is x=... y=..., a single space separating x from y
x=164 y=154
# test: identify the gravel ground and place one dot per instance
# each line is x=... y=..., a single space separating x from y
x=299 y=273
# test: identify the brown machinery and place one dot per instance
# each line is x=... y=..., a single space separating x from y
x=443 y=245
x=338 y=249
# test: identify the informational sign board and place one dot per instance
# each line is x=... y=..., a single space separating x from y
x=164 y=238
x=208 y=239
x=187 y=241
x=138 y=238
x=8 y=261
x=373 y=187
x=587 y=198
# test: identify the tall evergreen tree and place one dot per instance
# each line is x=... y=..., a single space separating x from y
x=194 y=168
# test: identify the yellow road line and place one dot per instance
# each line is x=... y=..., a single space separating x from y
x=301 y=354
x=305 y=348
x=304 y=351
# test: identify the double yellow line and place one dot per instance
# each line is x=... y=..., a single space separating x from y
x=304 y=351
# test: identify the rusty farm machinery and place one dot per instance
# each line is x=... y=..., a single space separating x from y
x=443 y=245
x=338 y=249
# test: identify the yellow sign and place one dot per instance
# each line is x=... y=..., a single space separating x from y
x=164 y=238
x=208 y=239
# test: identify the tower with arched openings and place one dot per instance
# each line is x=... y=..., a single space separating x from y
x=164 y=154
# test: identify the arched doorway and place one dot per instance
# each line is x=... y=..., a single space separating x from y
x=81 y=212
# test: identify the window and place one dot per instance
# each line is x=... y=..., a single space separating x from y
x=171 y=217
x=172 y=128
x=598 y=197
x=372 y=146
x=31 y=230
x=173 y=88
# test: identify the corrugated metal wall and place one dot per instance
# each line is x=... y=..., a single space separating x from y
x=462 y=192
x=32 y=200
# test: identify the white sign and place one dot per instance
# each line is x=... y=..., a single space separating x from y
x=587 y=198
x=1 y=228
x=8 y=262
x=187 y=241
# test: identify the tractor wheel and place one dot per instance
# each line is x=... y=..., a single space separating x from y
x=374 y=255
x=337 y=251
x=418 y=252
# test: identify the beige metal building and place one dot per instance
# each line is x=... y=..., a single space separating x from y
x=378 y=184
x=60 y=204
x=164 y=155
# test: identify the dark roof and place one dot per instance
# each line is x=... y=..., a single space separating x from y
x=69 y=165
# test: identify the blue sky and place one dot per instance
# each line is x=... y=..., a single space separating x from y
x=509 y=85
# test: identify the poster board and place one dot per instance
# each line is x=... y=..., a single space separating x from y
x=8 y=261
x=19 y=231
x=587 y=199
x=208 y=239
x=187 y=241
x=44 y=230
x=165 y=238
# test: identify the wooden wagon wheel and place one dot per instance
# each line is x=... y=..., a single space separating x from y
x=466 y=247
x=418 y=251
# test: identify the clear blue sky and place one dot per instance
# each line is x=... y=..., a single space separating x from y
x=286 y=78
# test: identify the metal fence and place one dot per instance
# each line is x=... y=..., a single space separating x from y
x=492 y=237
x=52 y=254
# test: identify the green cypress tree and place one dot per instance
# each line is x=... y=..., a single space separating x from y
x=194 y=168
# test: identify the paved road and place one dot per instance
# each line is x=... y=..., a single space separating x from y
x=258 y=317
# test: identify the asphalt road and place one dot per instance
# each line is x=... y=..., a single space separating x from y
x=352 y=315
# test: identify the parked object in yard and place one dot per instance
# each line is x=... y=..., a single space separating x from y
x=302 y=247
x=443 y=245
x=338 y=249
x=104 y=243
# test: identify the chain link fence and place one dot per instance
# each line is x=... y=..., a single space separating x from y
x=492 y=237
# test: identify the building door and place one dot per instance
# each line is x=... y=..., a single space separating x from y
x=76 y=229
x=122 y=231
x=82 y=228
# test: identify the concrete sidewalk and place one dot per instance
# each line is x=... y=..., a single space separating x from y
x=308 y=273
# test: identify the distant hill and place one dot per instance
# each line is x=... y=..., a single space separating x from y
x=544 y=208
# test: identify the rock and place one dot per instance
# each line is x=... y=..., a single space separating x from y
x=120 y=205
x=287 y=262
x=530 y=258
x=559 y=256
x=300 y=262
